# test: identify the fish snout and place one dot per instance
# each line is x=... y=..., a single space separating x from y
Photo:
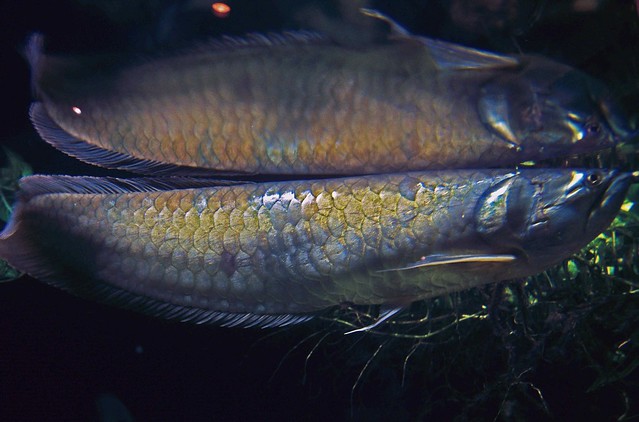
x=606 y=207
x=568 y=204
x=627 y=138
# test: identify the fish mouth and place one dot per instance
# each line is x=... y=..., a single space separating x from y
x=627 y=141
x=610 y=200
x=623 y=129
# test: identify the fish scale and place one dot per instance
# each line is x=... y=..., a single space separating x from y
x=301 y=104
x=292 y=248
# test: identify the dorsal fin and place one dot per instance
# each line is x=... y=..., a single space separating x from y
x=32 y=186
x=446 y=55
x=449 y=56
x=257 y=39
x=22 y=248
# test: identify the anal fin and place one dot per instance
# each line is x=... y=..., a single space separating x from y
x=60 y=139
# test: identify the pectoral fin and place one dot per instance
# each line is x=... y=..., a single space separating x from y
x=383 y=316
x=432 y=260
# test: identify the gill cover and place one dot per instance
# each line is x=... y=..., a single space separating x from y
x=545 y=213
x=548 y=107
x=504 y=210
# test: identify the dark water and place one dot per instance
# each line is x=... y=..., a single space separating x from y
x=60 y=356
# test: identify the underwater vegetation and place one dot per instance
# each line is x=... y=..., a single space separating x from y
x=581 y=314
x=506 y=351
x=13 y=168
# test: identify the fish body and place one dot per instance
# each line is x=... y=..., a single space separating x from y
x=274 y=253
x=298 y=103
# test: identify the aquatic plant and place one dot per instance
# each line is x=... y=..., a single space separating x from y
x=13 y=168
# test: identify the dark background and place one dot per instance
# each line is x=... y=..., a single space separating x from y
x=62 y=357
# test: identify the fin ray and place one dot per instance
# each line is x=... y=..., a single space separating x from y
x=383 y=316
x=447 y=56
x=32 y=186
x=105 y=293
x=433 y=260
x=20 y=249
x=84 y=151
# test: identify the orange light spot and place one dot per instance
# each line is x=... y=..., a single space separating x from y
x=221 y=10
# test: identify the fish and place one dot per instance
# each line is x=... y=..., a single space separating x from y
x=301 y=103
x=278 y=253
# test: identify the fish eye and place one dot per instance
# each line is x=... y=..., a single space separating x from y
x=593 y=128
x=594 y=179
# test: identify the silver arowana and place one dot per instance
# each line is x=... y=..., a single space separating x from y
x=299 y=103
x=273 y=253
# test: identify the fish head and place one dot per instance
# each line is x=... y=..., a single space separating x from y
x=550 y=110
x=544 y=216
